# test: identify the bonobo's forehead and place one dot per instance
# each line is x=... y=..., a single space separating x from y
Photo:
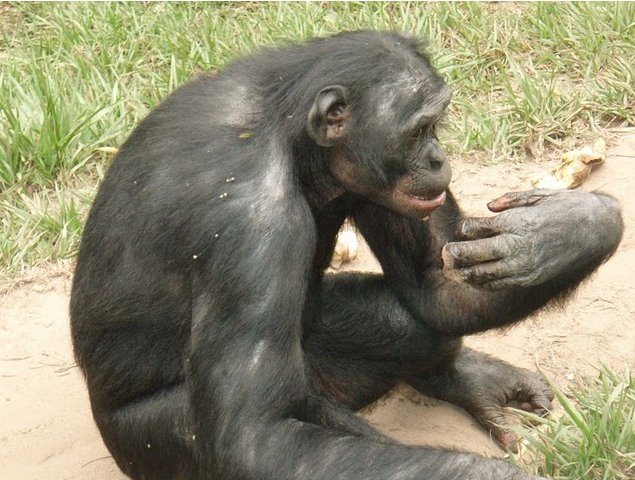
x=412 y=98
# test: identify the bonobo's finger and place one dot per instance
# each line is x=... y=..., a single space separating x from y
x=466 y=254
x=494 y=421
x=519 y=199
x=497 y=275
x=549 y=395
x=534 y=397
x=537 y=394
x=526 y=406
x=477 y=227
x=487 y=275
x=541 y=404
x=507 y=439
x=535 y=407
x=501 y=283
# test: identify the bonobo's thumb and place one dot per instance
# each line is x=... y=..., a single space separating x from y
x=494 y=420
x=520 y=199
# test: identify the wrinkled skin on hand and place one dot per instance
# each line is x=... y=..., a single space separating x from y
x=491 y=390
x=484 y=386
x=539 y=235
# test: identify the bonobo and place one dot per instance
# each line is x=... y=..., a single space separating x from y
x=213 y=343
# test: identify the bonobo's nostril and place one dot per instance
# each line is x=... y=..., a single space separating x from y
x=436 y=165
x=435 y=156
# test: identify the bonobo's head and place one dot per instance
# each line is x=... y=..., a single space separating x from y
x=378 y=126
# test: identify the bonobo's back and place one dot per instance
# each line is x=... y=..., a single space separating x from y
x=131 y=289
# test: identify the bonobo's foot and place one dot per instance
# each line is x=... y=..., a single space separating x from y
x=483 y=386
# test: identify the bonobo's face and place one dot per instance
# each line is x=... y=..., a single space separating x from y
x=384 y=145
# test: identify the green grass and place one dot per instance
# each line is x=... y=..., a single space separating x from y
x=594 y=439
x=76 y=77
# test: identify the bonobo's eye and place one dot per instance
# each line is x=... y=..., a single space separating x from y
x=416 y=136
x=426 y=132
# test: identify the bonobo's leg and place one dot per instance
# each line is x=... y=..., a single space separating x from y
x=363 y=341
x=358 y=345
x=151 y=438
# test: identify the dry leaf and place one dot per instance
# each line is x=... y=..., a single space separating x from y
x=575 y=167
x=346 y=246
x=107 y=149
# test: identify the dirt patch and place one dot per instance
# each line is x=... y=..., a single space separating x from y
x=47 y=431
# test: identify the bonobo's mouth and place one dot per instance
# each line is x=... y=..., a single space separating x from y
x=422 y=204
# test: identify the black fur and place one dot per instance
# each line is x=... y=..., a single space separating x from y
x=214 y=347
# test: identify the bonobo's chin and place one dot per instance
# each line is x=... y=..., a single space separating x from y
x=416 y=206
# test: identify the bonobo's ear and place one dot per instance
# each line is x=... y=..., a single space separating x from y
x=329 y=116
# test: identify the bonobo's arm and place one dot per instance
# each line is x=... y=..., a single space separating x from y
x=537 y=250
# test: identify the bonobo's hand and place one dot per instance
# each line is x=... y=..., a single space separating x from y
x=485 y=386
x=541 y=234
x=491 y=385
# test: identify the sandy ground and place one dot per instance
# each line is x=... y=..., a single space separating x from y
x=46 y=430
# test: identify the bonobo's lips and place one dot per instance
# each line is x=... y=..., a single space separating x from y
x=421 y=204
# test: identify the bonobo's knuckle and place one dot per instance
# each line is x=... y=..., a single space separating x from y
x=499 y=247
x=548 y=393
x=493 y=415
x=476 y=227
x=612 y=209
x=500 y=284
x=470 y=275
x=455 y=250
x=465 y=227
x=528 y=280
x=523 y=274
x=508 y=244
x=484 y=274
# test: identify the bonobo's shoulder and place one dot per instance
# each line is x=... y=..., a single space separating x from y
x=204 y=88
x=205 y=103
